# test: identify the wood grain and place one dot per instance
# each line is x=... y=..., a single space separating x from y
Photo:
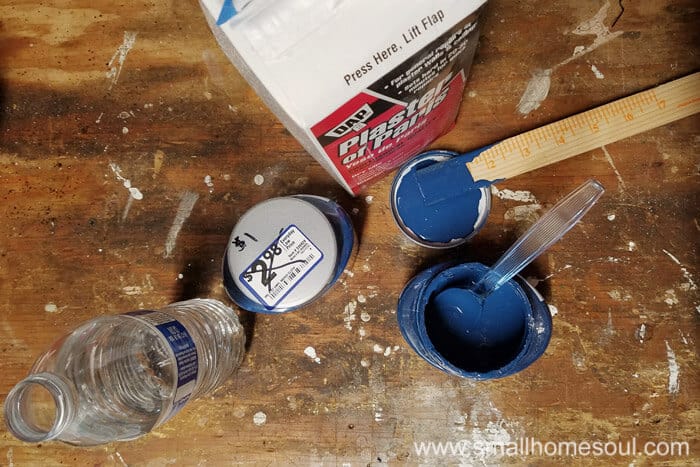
x=589 y=130
x=624 y=281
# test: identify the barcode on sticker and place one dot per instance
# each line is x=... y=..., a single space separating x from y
x=281 y=266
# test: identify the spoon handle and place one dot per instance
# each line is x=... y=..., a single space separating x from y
x=540 y=236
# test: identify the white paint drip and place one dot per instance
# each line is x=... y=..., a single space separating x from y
x=554 y=311
x=641 y=333
x=50 y=308
x=99 y=119
x=670 y=298
x=260 y=418
x=536 y=91
x=631 y=246
x=598 y=74
x=209 y=183
x=619 y=296
x=121 y=459
x=133 y=191
x=684 y=270
x=116 y=63
x=311 y=353
x=369 y=199
x=566 y=266
x=611 y=217
x=365 y=317
x=378 y=349
x=258 y=179
x=364 y=363
x=378 y=414
x=596 y=26
x=495 y=432
x=361 y=299
x=609 y=158
x=519 y=195
x=187 y=202
x=673 y=371
x=527 y=213
x=132 y=290
x=537 y=88
x=349 y=314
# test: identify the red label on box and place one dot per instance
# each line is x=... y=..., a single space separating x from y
x=399 y=115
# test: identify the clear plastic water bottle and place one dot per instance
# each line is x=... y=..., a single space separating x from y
x=117 y=377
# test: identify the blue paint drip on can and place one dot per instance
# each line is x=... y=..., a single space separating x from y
x=286 y=252
x=511 y=331
x=435 y=201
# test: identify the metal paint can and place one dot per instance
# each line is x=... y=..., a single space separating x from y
x=285 y=252
x=445 y=222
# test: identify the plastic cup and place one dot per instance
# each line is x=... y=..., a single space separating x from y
x=507 y=336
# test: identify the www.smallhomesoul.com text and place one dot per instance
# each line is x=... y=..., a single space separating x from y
x=531 y=447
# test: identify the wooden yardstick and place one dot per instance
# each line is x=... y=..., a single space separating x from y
x=589 y=130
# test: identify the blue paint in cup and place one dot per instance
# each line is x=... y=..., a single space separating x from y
x=435 y=201
x=464 y=339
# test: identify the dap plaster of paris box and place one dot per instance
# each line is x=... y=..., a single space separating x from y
x=363 y=84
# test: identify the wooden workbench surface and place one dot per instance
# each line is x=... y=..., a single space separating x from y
x=96 y=92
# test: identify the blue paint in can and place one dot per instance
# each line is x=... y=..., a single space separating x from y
x=435 y=201
x=461 y=338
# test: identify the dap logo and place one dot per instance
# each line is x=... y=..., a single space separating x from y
x=355 y=122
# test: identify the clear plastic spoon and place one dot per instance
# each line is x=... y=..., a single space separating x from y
x=540 y=236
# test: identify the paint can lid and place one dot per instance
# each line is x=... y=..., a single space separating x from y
x=282 y=253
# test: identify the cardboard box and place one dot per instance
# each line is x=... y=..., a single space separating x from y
x=364 y=85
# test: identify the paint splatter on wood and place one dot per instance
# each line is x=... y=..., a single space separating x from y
x=537 y=88
x=674 y=371
x=187 y=202
x=116 y=63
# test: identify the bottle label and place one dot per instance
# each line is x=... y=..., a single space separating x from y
x=185 y=352
x=281 y=266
